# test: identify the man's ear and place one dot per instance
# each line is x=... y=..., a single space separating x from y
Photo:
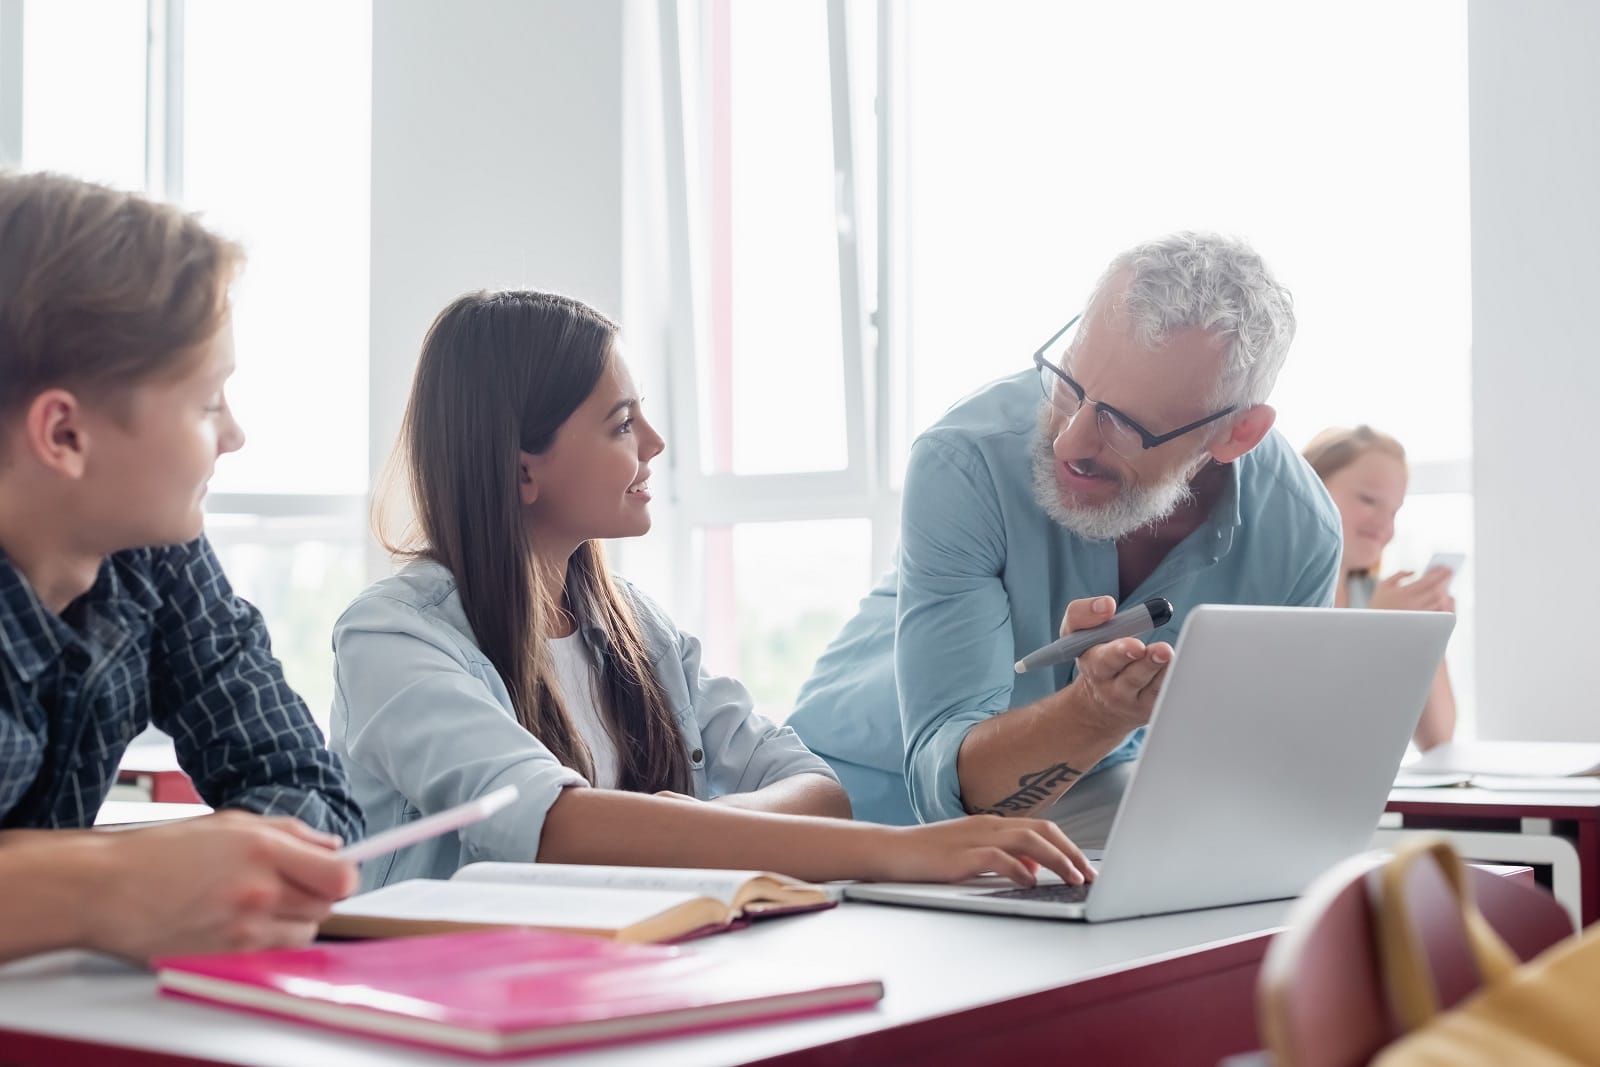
x=55 y=432
x=1247 y=430
x=527 y=486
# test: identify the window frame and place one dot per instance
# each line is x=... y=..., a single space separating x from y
x=704 y=502
x=10 y=82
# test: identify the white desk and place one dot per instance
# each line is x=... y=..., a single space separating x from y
x=1560 y=829
x=151 y=764
x=141 y=812
x=956 y=985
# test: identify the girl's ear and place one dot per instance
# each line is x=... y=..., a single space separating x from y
x=527 y=488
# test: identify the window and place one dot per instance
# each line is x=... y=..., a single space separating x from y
x=1040 y=145
x=783 y=593
x=97 y=134
x=771 y=197
x=300 y=572
x=772 y=473
x=283 y=164
x=234 y=109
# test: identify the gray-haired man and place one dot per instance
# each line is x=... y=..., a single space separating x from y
x=1172 y=484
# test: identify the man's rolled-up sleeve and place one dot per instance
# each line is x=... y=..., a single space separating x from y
x=953 y=641
x=1319 y=581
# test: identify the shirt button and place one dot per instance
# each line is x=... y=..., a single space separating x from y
x=696 y=756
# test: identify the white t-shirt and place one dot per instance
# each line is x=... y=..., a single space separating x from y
x=576 y=677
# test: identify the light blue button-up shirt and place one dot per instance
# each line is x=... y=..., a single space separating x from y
x=423 y=722
x=983 y=578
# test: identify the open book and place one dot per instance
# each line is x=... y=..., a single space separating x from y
x=1533 y=765
x=510 y=991
x=623 y=903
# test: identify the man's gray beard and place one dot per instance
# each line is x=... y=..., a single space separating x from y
x=1133 y=509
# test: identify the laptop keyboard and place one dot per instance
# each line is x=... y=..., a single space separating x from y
x=1053 y=893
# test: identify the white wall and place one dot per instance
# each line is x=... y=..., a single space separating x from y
x=1535 y=133
x=496 y=161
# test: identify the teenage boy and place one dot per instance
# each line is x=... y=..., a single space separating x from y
x=115 y=344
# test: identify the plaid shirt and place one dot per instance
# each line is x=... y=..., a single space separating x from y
x=160 y=638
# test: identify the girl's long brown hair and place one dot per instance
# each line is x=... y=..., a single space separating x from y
x=500 y=372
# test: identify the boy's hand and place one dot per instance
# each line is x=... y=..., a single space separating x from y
x=225 y=882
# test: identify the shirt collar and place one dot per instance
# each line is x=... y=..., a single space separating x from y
x=31 y=636
x=127 y=586
x=1226 y=517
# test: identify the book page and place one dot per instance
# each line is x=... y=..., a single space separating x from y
x=429 y=899
x=723 y=885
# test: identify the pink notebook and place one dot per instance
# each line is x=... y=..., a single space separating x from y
x=508 y=992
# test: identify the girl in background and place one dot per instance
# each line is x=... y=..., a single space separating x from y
x=1365 y=472
x=504 y=652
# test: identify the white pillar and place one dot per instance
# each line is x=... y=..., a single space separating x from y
x=1534 y=92
x=497 y=141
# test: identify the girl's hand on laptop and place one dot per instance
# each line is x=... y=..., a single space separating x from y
x=958 y=849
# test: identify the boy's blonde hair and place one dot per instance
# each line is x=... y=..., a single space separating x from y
x=101 y=289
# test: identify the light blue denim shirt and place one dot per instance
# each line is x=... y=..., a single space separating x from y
x=423 y=722
x=983 y=578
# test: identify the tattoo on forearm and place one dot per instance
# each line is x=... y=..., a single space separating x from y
x=1035 y=788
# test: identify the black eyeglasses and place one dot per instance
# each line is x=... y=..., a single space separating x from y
x=1121 y=434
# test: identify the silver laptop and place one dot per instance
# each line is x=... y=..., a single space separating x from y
x=1270 y=755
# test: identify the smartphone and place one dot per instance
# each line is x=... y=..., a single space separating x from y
x=1450 y=561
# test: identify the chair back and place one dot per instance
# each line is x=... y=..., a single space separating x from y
x=1321 y=1000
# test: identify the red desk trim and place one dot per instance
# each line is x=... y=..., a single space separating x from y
x=1126 y=1017
x=46 y=1050
x=1585 y=813
x=166 y=787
